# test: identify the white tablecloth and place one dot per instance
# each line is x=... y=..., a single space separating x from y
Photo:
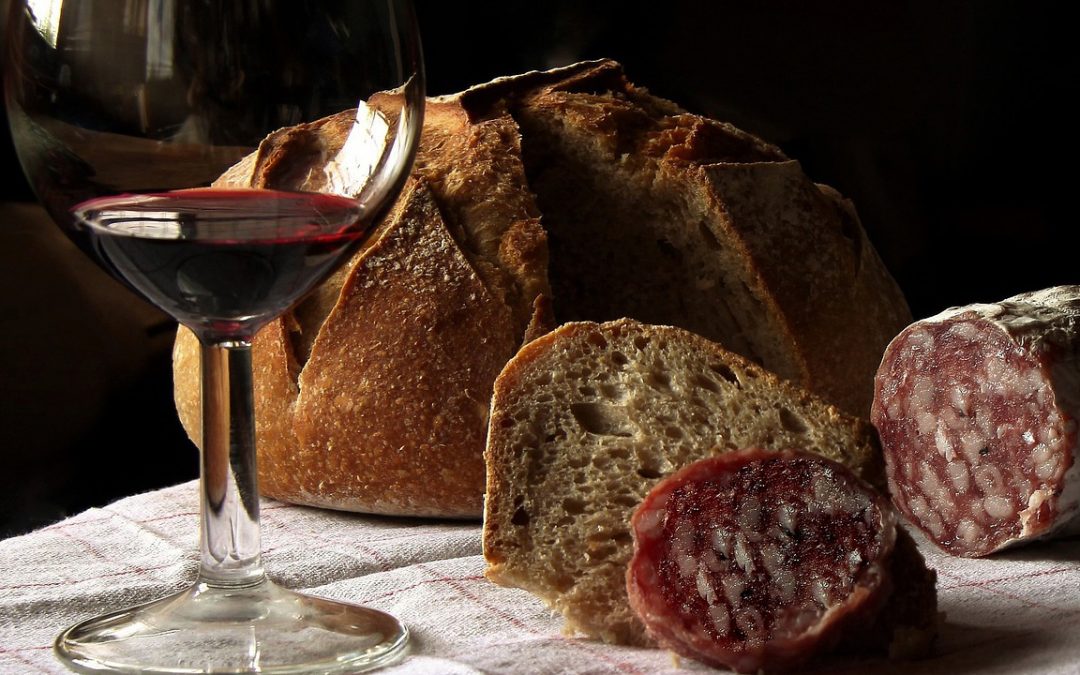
x=1017 y=613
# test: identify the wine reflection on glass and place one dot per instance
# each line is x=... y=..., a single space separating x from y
x=124 y=115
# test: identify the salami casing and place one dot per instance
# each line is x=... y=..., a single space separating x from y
x=976 y=409
x=756 y=560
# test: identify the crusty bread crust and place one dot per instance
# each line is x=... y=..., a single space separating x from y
x=586 y=419
x=373 y=394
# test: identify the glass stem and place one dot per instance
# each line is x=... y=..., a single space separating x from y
x=229 y=537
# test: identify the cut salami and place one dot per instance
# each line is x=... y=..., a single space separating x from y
x=976 y=408
x=757 y=560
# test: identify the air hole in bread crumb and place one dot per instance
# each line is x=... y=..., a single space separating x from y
x=599 y=535
x=614 y=392
x=599 y=551
x=726 y=373
x=520 y=517
x=649 y=472
x=629 y=501
x=673 y=432
x=597 y=340
x=602 y=419
x=543 y=379
x=641 y=342
x=792 y=422
x=619 y=359
x=586 y=390
x=573 y=506
x=706 y=383
x=658 y=379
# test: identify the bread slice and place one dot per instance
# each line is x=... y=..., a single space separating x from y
x=372 y=394
x=672 y=218
x=586 y=419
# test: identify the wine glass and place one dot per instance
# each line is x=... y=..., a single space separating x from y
x=123 y=114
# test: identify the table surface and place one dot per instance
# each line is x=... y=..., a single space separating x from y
x=1015 y=613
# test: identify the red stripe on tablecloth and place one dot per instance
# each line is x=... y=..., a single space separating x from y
x=461 y=590
x=154 y=519
x=92 y=550
x=996 y=580
x=21 y=659
x=112 y=516
x=343 y=544
x=987 y=585
x=76 y=581
x=381 y=561
x=425 y=582
x=416 y=533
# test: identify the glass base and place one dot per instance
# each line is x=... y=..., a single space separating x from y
x=261 y=628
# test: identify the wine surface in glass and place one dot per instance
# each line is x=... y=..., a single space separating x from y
x=223 y=261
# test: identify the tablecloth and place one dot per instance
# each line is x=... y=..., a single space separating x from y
x=1014 y=613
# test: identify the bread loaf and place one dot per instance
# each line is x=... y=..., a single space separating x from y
x=372 y=394
x=588 y=418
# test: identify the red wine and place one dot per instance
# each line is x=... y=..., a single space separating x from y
x=223 y=262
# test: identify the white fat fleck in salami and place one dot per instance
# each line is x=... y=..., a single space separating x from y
x=681 y=548
x=787 y=518
x=721 y=619
x=786 y=552
x=705 y=589
x=968 y=531
x=721 y=542
x=999 y=508
x=959 y=475
x=944 y=443
x=976 y=408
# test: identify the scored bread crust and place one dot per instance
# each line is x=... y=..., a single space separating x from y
x=586 y=419
x=672 y=218
x=372 y=394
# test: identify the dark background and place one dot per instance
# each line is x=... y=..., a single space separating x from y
x=949 y=124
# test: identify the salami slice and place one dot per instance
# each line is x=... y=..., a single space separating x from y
x=757 y=560
x=976 y=408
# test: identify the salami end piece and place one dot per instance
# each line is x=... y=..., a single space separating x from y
x=976 y=410
x=756 y=560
